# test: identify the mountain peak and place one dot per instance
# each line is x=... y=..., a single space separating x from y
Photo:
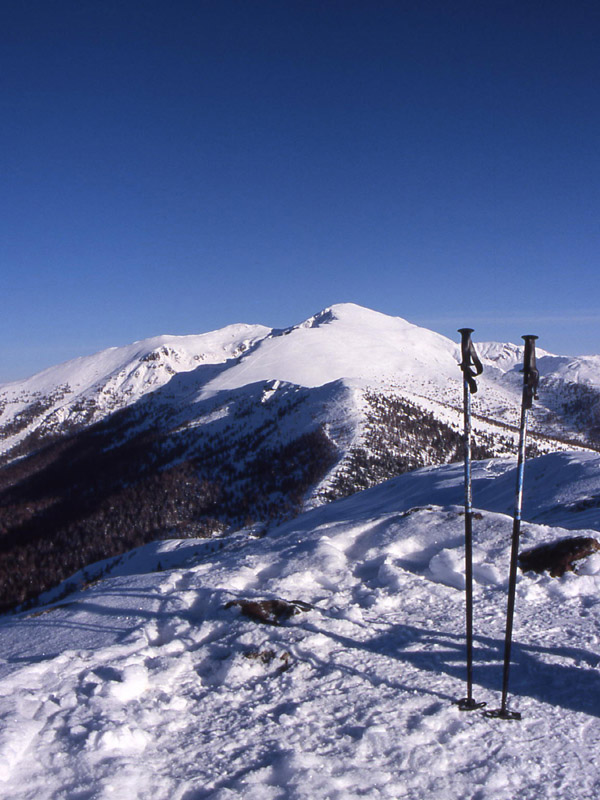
x=348 y=342
x=350 y=313
x=354 y=313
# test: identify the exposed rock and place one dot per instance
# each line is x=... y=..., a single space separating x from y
x=558 y=557
x=271 y=612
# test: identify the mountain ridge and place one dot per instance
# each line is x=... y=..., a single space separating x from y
x=344 y=341
x=249 y=425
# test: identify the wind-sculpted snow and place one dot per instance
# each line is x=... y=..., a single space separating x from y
x=156 y=684
x=564 y=488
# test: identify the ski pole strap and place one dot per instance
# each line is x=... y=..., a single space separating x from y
x=470 y=365
x=531 y=376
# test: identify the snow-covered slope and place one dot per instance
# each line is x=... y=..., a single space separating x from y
x=86 y=389
x=350 y=342
x=208 y=432
x=346 y=342
x=168 y=354
x=164 y=685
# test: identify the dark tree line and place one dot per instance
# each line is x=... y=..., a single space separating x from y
x=114 y=486
x=399 y=436
x=145 y=473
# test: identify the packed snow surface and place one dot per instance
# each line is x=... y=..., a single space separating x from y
x=156 y=684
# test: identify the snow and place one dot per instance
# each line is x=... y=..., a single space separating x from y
x=364 y=349
x=141 y=679
x=119 y=376
x=350 y=342
x=213 y=348
x=506 y=356
x=152 y=684
x=580 y=369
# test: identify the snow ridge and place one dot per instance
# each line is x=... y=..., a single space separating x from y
x=168 y=684
x=343 y=342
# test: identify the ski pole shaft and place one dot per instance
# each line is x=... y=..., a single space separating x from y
x=530 y=382
x=471 y=366
x=514 y=555
x=468 y=542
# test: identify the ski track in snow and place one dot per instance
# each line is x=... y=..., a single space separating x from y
x=147 y=685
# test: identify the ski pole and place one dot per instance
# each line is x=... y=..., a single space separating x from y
x=471 y=367
x=530 y=383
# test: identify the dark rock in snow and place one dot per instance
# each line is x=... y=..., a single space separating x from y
x=558 y=557
x=271 y=612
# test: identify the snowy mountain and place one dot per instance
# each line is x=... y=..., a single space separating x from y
x=85 y=390
x=343 y=343
x=194 y=435
x=321 y=660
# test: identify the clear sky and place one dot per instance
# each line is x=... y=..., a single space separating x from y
x=172 y=166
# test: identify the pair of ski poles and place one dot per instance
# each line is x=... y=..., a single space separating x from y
x=471 y=367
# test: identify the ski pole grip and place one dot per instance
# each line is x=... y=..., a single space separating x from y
x=465 y=334
x=470 y=365
x=531 y=376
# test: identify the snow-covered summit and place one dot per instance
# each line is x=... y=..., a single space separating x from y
x=506 y=356
x=346 y=341
x=343 y=342
x=584 y=370
x=364 y=349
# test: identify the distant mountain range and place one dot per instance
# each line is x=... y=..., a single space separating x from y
x=192 y=435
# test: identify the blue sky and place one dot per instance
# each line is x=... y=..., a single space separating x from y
x=172 y=167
